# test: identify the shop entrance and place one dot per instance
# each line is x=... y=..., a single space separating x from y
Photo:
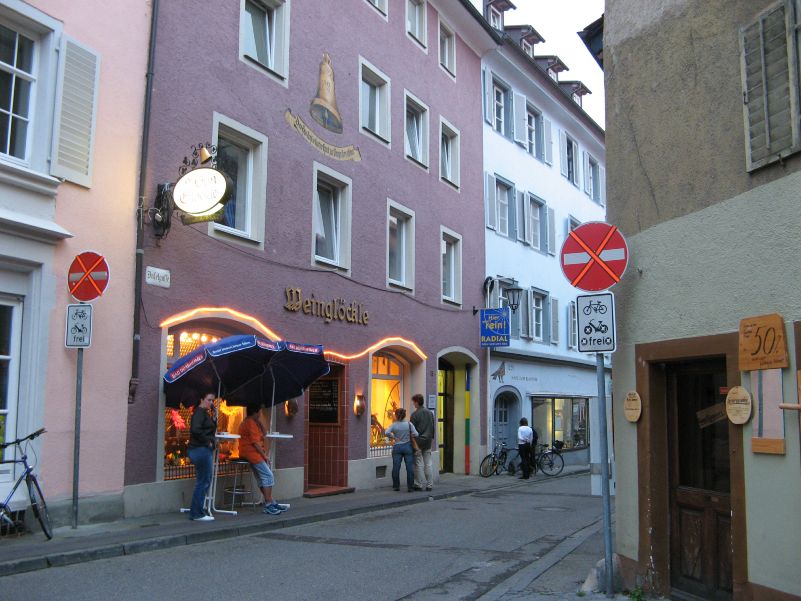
x=327 y=435
x=445 y=410
x=699 y=481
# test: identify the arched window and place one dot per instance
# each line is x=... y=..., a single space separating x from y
x=386 y=395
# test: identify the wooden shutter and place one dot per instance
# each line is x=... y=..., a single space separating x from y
x=521 y=222
x=548 y=140
x=495 y=296
x=571 y=324
x=554 y=320
x=525 y=313
x=489 y=100
x=770 y=83
x=563 y=152
x=75 y=113
x=602 y=185
x=551 y=231
x=492 y=205
x=520 y=132
x=586 y=161
x=529 y=239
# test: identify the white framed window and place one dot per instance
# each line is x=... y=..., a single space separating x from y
x=499 y=109
x=374 y=101
x=451 y=251
x=264 y=36
x=527 y=48
x=449 y=153
x=569 y=151
x=572 y=223
x=331 y=218
x=416 y=21
x=380 y=5
x=504 y=199
x=447 y=48
x=537 y=314
x=400 y=245
x=48 y=99
x=535 y=133
x=769 y=48
x=593 y=179
x=572 y=325
x=553 y=74
x=242 y=156
x=495 y=18
x=10 y=343
x=416 y=129
x=537 y=222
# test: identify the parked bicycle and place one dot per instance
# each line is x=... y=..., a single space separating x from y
x=547 y=459
x=495 y=462
x=38 y=504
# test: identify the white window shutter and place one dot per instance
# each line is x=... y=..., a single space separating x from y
x=520 y=119
x=529 y=239
x=602 y=185
x=548 y=139
x=495 y=295
x=521 y=225
x=489 y=99
x=554 y=320
x=525 y=314
x=75 y=113
x=586 y=160
x=563 y=152
x=571 y=324
x=492 y=205
x=551 y=231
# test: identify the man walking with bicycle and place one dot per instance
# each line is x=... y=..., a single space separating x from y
x=525 y=441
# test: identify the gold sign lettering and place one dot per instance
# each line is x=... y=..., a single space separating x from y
x=337 y=309
x=340 y=153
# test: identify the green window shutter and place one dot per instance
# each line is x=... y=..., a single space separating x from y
x=75 y=113
x=770 y=85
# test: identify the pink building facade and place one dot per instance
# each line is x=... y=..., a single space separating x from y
x=353 y=136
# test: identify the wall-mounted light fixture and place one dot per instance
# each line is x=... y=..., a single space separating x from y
x=513 y=297
x=291 y=408
x=359 y=405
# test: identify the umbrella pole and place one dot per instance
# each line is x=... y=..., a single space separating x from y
x=272 y=398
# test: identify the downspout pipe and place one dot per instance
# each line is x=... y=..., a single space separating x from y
x=133 y=383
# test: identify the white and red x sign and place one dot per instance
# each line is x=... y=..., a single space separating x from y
x=594 y=256
x=87 y=276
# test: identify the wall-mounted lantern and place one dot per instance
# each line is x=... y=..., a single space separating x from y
x=291 y=408
x=359 y=405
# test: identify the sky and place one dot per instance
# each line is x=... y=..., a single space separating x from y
x=558 y=21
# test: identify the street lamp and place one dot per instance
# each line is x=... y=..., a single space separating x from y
x=513 y=297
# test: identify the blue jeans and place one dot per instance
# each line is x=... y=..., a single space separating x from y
x=402 y=451
x=202 y=458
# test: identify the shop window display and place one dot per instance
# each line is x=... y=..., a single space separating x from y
x=386 y=395
x=564 y=419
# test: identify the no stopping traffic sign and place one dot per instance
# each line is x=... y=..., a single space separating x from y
x=594 y=256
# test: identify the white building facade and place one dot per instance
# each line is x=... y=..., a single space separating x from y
x=544 y=175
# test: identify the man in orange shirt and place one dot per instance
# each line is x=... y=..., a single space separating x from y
x=252 y=449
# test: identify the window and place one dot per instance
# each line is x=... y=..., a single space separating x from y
x=381 y=5
x=451 y=250
x=416 y=20
x=48 y=99
x=569 y=151
x=242 y=156
x=572 y=223
x=416 y=131
x=537 y=313
x=449 y=163
x=495 y=18
x=536 y=225
x=331 y=218
x=501 y=207
x=565 y=419
x=770 y=85
x=503 y=197
x=572 y=325
x=374 y=100
x=400 y=245
x=264 y=35
x=534 y=134
x=386 y=395
x=553 y=74
x=10 y=340
x=499 y=106
x=447 y=49
x=554 y=320
x=499 y=110
x=593 y=179
x=527 y=48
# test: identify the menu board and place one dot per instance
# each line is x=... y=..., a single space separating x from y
x=324 y=402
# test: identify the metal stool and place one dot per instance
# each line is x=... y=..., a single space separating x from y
x=241 y=489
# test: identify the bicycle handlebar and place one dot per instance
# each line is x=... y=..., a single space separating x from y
x=30 y=436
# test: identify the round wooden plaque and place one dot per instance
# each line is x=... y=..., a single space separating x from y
x=632 y=407
x=738 y=405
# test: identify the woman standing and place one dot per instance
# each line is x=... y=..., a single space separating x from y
x=201 y=452
x=402 y=433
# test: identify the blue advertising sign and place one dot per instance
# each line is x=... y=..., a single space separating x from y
x=495 y=327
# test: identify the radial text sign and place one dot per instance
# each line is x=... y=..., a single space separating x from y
x=594 y=256
x=495 y=327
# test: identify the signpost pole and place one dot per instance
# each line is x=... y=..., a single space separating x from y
x=607 y=505
x=77 y=449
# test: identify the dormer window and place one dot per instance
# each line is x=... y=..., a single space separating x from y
x=495 y=18
x=576 y=98
x=527 y=48
x=553 y=74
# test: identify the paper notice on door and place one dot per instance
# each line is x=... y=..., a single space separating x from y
x=766 y=390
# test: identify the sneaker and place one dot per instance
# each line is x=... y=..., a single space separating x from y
x=429 y=488
x=205 y=518
x=416 y=487
x=272 y=509
x=282 y=506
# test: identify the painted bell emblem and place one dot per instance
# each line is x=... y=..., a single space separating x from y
x=323 y=108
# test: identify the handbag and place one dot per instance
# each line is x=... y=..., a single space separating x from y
x=412 y=439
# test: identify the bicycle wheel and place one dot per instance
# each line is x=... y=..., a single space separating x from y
x=551 y=463
x=39 y=506
x=501 y=463
x=488 y=466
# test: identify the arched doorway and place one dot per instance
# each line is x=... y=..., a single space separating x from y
x=505 y=417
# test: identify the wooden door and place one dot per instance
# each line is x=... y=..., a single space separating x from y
x=700 y=507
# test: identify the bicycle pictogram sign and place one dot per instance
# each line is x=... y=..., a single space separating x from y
x=594 y=256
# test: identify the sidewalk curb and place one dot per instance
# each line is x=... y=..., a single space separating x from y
x=156 y=543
